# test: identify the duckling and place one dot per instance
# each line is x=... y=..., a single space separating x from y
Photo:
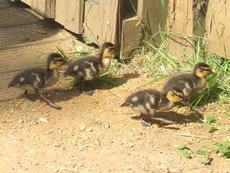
x=148 y=101
x=90 y=67
x=36 y=79
x=188 y=83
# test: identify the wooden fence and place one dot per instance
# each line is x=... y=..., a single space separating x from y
x=122 y=21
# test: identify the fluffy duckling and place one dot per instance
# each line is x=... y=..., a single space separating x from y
x=36 y=79
x=90 y=67
x=148 y=101
x=188 y=83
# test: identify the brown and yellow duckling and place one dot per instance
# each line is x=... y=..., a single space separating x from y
x=36 y=79
x=90 y=67
x=148 y=101
x=188 y=83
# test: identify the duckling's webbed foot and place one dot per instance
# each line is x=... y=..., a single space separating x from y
x=145 y=121
x=49 y=102
x=89 y=92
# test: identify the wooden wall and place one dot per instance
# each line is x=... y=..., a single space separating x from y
x=122 y=21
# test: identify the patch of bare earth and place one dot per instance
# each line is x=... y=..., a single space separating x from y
x=94 y=134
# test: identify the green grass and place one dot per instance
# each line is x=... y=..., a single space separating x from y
x=160 y=63
x=222 y=148
x=184 y=151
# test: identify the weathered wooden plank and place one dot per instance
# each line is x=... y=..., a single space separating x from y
x=101 y=20
x=45 y=8
x=28 y=2
x=218 y=30
x=70 y=14
x=131 y=35
x=153 y=14
x=180 y=20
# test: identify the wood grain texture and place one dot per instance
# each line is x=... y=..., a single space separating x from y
x=180 y=20
x=101 y=21
x=70 y=14
x=218 y=28
x=45 y=8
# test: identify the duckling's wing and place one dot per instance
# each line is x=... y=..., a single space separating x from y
x=32 y=79
x=184 y=81
x=83 y=67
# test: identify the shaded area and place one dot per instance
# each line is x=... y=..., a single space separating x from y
x=25 y=40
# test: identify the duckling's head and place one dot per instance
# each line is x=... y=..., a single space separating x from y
x=175 y=95
x=202 y=70
x=108 y=50
x=55 y=60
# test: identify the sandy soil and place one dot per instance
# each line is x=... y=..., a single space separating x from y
x=94 y=134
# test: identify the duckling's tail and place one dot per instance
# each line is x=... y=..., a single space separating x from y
x=124 y=104
x=66 y=73
x=11 y=84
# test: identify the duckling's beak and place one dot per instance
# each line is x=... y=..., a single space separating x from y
x=212 y=73
x=67 y=63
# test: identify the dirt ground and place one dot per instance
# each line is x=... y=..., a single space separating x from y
x=94 y=134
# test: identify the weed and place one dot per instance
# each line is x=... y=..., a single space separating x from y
x=61 y=51
x=211 y=119
x=210 y=123
x=87 y=40
x=184 y=151
x=222 y=148
x=200 y=152
x=211 y=128
x=228 y=115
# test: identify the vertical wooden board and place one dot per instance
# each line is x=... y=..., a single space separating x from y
x=218 y=28
x=131 y=35
x=153 y=14
x=109 y=20
x=45 y=8
x=70 y=14
x=91 y=20
x=101 y=20
x=28 y=2
x=180 y=20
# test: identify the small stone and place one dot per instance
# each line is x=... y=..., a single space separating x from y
x=80 y=148
x=20 y=121
x=55 y=170
x=56 y=144
x=35 y=123
x=89 y=130
x=35 y=164
x=82 y=127
x=80 y=164
x=44 y=120
x=107 y=126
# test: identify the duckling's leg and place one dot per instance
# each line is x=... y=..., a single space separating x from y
x=90 y=92
x=163 y=120
x=49 y=102
x=148 y=124
x=25 y=94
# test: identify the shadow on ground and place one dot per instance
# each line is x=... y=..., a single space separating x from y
x=172 y=116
